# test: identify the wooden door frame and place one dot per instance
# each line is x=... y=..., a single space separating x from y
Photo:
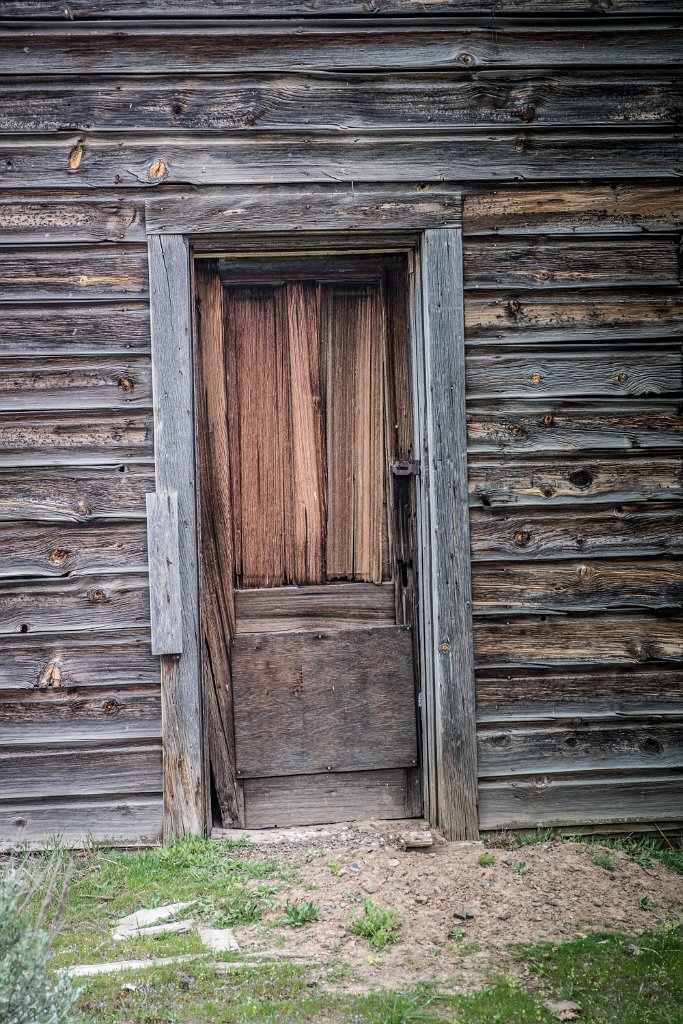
x=425 y=222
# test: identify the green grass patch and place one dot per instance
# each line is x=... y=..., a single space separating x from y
x=604 y=859
x=378 y=925
x=295 y=915
x=644 y=850
x=486 y=860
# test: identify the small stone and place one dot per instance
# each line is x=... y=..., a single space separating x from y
x=563 y=1009
x=220 y=940
x=504 y=915
x=465 y=913
x=370 y=884
x=393 y=862
x=421 y=899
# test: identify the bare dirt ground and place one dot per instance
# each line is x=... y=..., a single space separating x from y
x=457 y=917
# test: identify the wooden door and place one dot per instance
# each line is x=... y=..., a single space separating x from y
x=307 y=539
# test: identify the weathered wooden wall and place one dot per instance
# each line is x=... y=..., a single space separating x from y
x=558 y=118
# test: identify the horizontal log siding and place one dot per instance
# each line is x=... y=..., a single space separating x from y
x=575 y=534
x=573 y=309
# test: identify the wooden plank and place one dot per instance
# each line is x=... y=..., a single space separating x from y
x=63 y=771
x=123 y=820
x=36 y=9
x=624 y=639
x=578 y=747
x=543 y=801
x=89 y=437
x=185 y=792
x=101 y=602
x=413 y=99
x=622 y=531
x=318 y=799
x=42 y=219
x=451 y=639
x=335 y=701
x=614 y=208
x=216 y=548
x=515 y=428
x=114 y=658
x=73 y=272
x=593 y=693
x=321 y=207
x=42 y=161
x=573 y=315
x=53 y=718
x=347 y=45
x=567 y=262
x=78 y=382
x=331 y=606
x=576 y=585
x=582 y=481
x=73 y=329
x=165 y=600
x=68 y=495
x=32 y=549
x=575 y=372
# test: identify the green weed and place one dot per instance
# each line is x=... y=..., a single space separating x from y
x=486 y=860
x=521 y=867
x=297 y=914
x=603 y=859
x=335 y=867
x=376 y=924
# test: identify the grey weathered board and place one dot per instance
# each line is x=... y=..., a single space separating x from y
x=340 y=796
x=328 y=701
x=328 y=606
x=165 y=592
x=153 y=9
x=124 y=819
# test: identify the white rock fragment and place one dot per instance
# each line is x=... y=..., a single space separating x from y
x=86 y=970
x=220 y=940
x=416 y=840
x=154 y=930
x=134 y=924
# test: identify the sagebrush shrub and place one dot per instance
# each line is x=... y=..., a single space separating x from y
x=30 y=993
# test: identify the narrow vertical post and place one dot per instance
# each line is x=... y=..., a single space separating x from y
x=448 y=536
x=185 y=799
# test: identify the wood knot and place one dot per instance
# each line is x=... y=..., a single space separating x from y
x=126 y=384
x=82 y=510
x=465 y=58
x=75 y=157
x=444 y=647
x=535 y=378
x=580 y=478
x=519 y=432
x=585 y=570
x=528 y=113
x=59 y=556
x=50 y=677
x=513 y=307
x=501 y=740
x=651 y=746
x=19 y=822
x=521 y=145
x=540 y=782
x=111 y=707
x=97 y=596
x=521 y=538
x=621 y=378
x=548 y=419
x=548 y=492
x=157 y=170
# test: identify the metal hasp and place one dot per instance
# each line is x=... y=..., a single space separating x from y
x=403 y=467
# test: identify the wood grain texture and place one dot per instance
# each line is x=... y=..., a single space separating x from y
x=512 y=427
x=74 y=494
x=361 y=45
x=185 y=796
x=78 y=382
x=165 y=598
x=317 y=207
x=577 y=585
x=53 y=219
x=651 y=98
x=74 y=439
x=89 y=659
x=534 y=262
x=37 y=9
x=449 y=527
x=626 y=531
x=55 y=717
x=649 y=693
x=593 y=209
x=123 y=819
x=579 y=748
x=69 y=273
x=103 y=602
x=74 y=329
x=216 y=549
x=331 y=606
x=573 y=315
x=543 y=800
x=318 y=799
x=548 y=640
x=575 y=372
x=34 y=549
x=41 y=161
x=583 y=481
x=334 y=701
x=65 y=771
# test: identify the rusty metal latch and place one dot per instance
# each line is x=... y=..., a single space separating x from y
x=403 y=467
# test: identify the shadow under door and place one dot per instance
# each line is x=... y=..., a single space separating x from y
x=307 y=538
